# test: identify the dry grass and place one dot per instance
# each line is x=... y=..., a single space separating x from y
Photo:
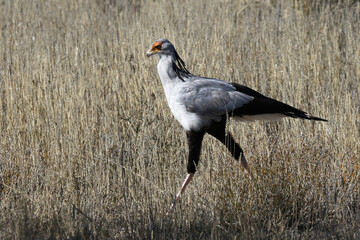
x=89 y=149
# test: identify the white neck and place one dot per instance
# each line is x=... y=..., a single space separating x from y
x=166 y=71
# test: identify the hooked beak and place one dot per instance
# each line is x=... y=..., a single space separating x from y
x=151 y=52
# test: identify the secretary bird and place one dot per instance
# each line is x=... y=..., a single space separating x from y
x=202 y=105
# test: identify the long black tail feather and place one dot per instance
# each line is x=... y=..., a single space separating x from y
x=304 y=115
x=265 y=105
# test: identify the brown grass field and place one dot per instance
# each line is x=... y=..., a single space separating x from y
x=90 y=150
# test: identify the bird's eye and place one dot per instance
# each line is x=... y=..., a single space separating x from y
x=158 y=46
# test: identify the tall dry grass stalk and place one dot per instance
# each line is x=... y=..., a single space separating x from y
x=90 y=150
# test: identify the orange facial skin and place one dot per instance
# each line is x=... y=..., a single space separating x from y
x=156 y=45
x=154 y=49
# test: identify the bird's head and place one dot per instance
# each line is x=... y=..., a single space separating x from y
x=162 y=47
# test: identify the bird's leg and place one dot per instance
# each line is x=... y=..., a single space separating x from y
x=219 y=133
x=186 y=182
x=237 y=153
x=244 y=163
x=194 y=142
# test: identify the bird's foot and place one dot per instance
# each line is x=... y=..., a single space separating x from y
x=172 y=207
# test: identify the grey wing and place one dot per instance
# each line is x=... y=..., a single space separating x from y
x=212 y=98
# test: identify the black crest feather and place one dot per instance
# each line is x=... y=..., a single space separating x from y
x=179 y=67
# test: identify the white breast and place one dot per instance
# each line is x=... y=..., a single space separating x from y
x=172 y=88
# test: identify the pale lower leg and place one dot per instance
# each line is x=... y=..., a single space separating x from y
x=186 y=182
x=244 y=163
